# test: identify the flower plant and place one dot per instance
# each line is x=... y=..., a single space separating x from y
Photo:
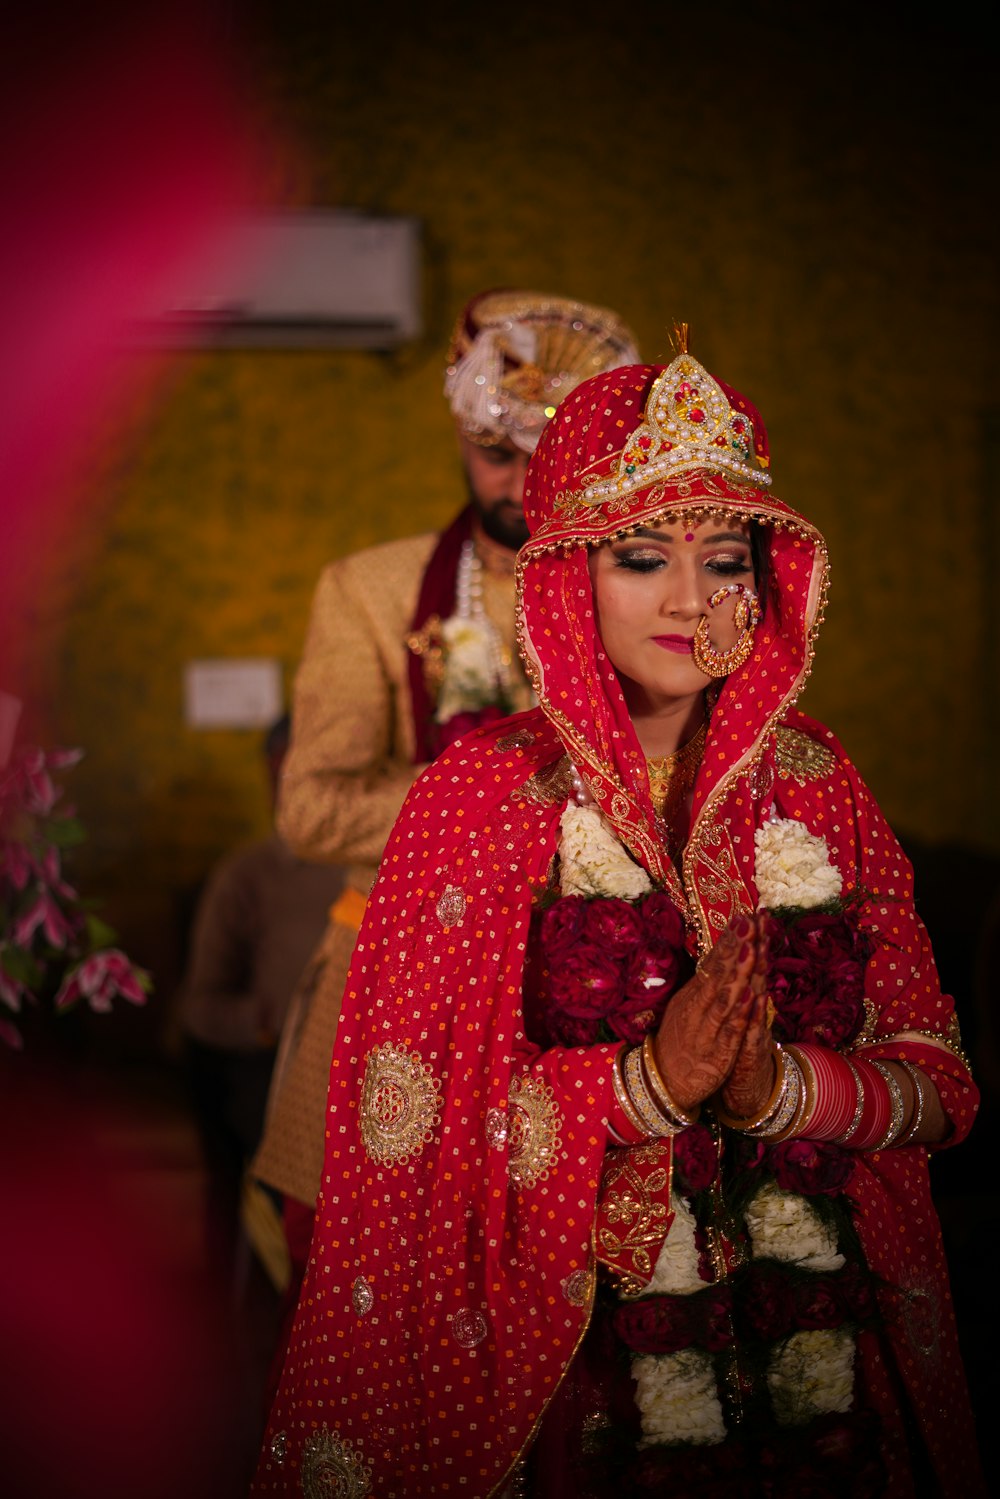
x=54 y=948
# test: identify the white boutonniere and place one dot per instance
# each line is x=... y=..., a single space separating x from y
x=469 y=674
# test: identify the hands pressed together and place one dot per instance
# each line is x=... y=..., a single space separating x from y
x=715 y=1036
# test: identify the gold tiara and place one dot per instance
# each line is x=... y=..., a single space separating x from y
x=688 y=424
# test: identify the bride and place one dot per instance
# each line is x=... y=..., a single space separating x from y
x=642 y=1048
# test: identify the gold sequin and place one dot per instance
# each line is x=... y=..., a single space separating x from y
x=332 y=1468
x=399 y=1104
x=520 y=739
x=534 y=1130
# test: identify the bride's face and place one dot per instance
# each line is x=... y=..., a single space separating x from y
x=650 y=591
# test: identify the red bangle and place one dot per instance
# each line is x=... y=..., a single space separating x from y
x=876 y=1111
x=834 y=1092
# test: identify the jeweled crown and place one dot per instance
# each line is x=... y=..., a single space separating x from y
x=688 y=424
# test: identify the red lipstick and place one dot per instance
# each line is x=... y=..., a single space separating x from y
x=681 y=645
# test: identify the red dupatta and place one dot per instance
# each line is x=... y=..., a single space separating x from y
x=452 y=1272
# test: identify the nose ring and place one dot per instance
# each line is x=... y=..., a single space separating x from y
x=746 y=616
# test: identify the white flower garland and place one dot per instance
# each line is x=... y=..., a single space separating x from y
x=592 y=859
x=793 y=866
x=677 y=1398
x=809 y=1373
x=786 y=1227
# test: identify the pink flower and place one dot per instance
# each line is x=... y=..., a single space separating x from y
x=45 y=913
x=51 y=872
x=11 y=1036
x=12 y=991
x=99 y=978
x=16 y=864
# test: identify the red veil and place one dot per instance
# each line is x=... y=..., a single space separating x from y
x=452 y=1270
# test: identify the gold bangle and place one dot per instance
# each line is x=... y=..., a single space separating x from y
x=787 y=1111
x=859 y=1107
x=654 y=1078
x=898 y=1107
x=918 y=1080
x=621 y=1094
x=654 y=1121
x=799 y=1125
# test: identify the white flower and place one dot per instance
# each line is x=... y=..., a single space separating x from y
x=784 y=1226
x=593 y=861
x=812 y=1372
x=676 y=1270
x=793 y=866
x=469 y=680
x=677 y=1398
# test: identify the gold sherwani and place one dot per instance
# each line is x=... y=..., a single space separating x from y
x=348 y=769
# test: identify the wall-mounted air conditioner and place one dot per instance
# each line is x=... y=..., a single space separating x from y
x=317 y=279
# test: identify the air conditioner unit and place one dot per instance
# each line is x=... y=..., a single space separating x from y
x=318 y=279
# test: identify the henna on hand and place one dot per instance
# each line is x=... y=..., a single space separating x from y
x=749 y=1084
x=704 y=1024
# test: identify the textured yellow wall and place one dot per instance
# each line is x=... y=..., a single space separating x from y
x=814 y=203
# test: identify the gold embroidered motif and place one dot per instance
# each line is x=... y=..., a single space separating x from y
x=450 y=908
x=279 y=1447
x=633 y=1217
x=468 y=1328
x=535 y=1122
x=577 y=1287
x=362 y=1297
x=712 y=870
x=332 y=1468
x=399 y=1104
x=496 y=1128
x=520 y=739
x=553 y=783
x=801 y=759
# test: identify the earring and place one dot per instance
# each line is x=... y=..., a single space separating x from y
x=716 y=663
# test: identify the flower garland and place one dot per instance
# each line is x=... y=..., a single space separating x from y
x=769 y=1343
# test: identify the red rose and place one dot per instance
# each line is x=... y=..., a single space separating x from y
x=612 y=925
x=631 y=1019
x=811 y=1167
x=656 y=1324
x=663 y=923
x=561 y=926
x=652 y=976
x=586 y=982
x=567 y=1030
x=767 y=1303
x=817 y=1304
x=696 y=1159
x=816 y=978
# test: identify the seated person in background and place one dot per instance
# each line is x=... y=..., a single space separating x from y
x=258 y=920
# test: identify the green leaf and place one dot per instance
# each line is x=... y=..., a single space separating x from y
x=66 y=832
x=99 y=934
x=21 y=966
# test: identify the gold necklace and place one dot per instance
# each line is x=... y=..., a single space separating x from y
x=672 y=776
